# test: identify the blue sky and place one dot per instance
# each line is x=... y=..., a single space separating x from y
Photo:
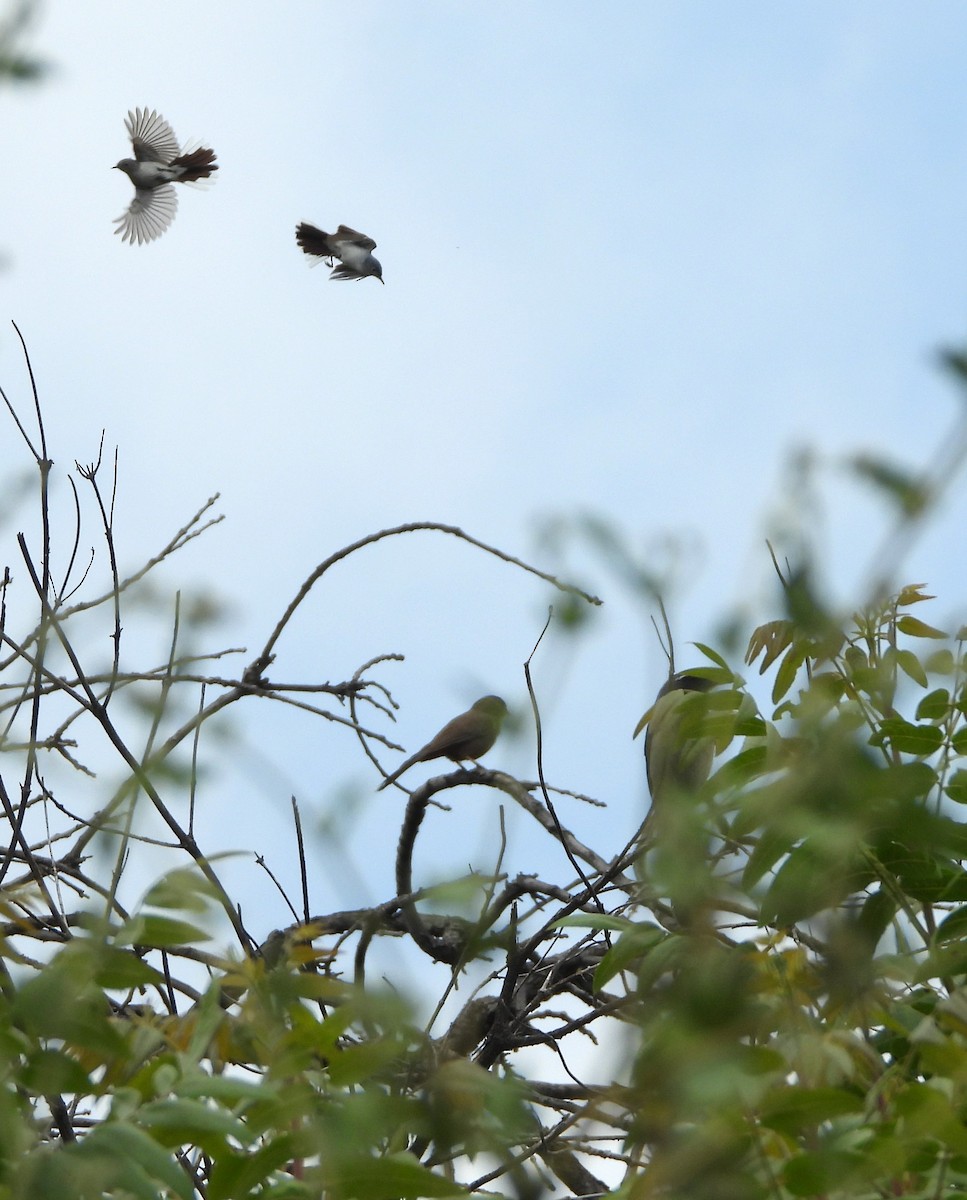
x=636 y=255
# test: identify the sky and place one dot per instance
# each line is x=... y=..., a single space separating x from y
x=637 y=257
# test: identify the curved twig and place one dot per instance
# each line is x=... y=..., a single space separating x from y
x=412 y=527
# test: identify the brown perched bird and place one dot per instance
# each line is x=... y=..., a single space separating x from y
x=675 y=761
x=465 y=737
x=354 y=251
x=157 y=164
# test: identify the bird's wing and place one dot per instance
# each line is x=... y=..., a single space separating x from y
x=152 y=137
x=450 y=739
x=148 y=215
x=345 y=234
x=344 y=272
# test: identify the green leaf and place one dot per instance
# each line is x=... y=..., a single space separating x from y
x=819 y=1172
x=594 y=921
x=24 y=70
x=352 y=1065
x=770 y=641
x=47 y=1072
x=925 y=875
x=927 y=1112
x=949 y=959
x=395 y=1176
x=795 y=1111
x=742 y=768
x=193 y=1122
x=770 y=847
x=62 y=1002
x=46 y=1173
x=226 y=1088
x=940 y=661
x=238 y=1175
x=953 y=926
x=160 y=932
x=809 y=881
x=788 y=670
x=715 y=657
x=879 y=909
x=912 y=593
x=131 y=1161
x=667 y=955
x=934 y=706
x=122 y=969
x=957 y=787
x=184 y=889
x=209 y=1016
x=628 y=949
x=907 y=490
x=907 y=738
x=912 y=627
x=911 y=665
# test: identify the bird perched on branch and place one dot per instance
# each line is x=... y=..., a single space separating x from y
x=675 y=760
x=354 y=251
x=157 y=164
x=468 y=736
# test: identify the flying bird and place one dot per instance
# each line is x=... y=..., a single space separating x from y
x=157 y=164
x=468 y=736
x=354 y=251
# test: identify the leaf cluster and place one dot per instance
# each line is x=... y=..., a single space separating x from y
x=760 y=994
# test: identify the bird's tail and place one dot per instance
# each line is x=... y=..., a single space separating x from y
x=404 y=766
x=313 y=240
x=195 y=165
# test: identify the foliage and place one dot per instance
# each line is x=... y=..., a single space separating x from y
x=772 y=971
x=15 y=65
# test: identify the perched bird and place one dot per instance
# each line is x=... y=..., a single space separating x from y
x=354 y=251
x=156 y=165
x=465 y=737
x=675 y=761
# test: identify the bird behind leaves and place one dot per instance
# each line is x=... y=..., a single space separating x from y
x=156 y=165
x=468 y=736
x=354 y=251
x=675 y=761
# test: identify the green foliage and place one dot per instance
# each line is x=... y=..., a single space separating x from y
x=761 y=996
x=797 y=1031
x=15 y=65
